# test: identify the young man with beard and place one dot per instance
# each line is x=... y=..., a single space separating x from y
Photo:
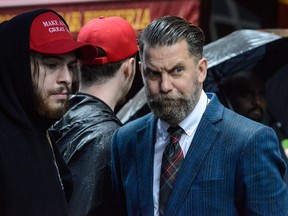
x=216 y=163
x=84 y=133
x=37 y=62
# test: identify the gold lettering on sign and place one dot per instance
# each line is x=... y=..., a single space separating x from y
x=139 y=18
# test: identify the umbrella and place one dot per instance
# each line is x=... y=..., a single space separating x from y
x=242 y=49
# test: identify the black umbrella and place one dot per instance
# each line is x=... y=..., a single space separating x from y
x=244 y=50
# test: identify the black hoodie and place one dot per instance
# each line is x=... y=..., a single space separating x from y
x=29 y=177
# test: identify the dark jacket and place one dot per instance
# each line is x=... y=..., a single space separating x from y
x=83 y=136
x=29 y=166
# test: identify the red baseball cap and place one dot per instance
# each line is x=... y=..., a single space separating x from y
x=114 y=35
x=50 y=35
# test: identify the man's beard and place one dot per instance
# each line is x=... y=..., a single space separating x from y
x=174 y=108
x=45 y=110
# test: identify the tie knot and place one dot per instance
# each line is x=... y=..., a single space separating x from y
x=175 y=131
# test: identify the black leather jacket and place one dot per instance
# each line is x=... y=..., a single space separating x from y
x=84 y=136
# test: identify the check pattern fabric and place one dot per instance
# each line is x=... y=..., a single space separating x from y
x=171 y=163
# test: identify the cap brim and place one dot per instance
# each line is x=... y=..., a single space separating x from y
x=83 y=51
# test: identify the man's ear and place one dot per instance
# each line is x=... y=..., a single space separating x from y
x=129 y=68
x=202 y=69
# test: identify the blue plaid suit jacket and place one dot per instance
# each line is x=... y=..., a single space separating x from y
x=233 y=167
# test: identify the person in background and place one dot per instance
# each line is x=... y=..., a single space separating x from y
x=84 y=133
x=191 y=155
x=245 y=93
x=37 y=62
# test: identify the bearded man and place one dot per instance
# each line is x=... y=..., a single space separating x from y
x=191 y=155
x=37 y=64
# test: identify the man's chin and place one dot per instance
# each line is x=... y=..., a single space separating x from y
x=257 y=117
x=53 y=112
x=168 y=115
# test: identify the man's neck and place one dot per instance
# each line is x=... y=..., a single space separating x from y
x=107 y=92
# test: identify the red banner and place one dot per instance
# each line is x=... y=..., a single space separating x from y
x=138 y=13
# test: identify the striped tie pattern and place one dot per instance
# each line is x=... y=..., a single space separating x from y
x=171 y=163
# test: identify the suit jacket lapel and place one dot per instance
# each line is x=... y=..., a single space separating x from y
x=145 y=157
x=201 y=145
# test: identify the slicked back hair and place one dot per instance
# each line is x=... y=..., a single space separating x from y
x=169 y=30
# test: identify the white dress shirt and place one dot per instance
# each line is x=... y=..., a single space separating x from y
x=189 y=125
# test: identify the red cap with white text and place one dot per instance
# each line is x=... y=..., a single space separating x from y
x=113 y=35
x=50 y=35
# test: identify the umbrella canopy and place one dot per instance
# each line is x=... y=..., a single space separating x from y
x=244 y=50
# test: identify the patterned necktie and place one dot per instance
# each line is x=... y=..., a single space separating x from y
x=171 y=163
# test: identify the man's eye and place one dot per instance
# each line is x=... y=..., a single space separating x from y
x=178 y=70
x=148 y=72
x=247 y=95
x=51 y=65
x=152 y=74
